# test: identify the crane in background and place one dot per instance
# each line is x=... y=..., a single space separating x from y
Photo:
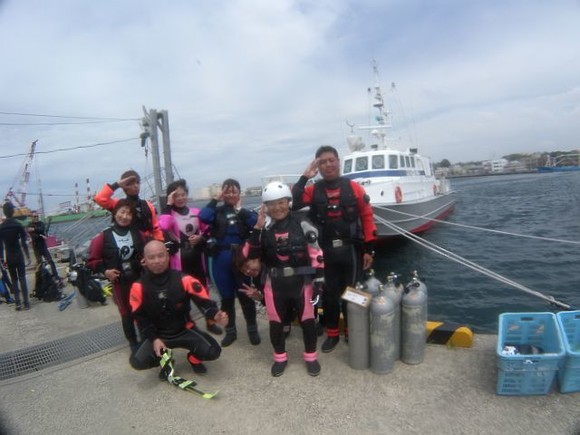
x=19 y=197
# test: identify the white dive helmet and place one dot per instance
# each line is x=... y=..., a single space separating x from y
x=276 y=190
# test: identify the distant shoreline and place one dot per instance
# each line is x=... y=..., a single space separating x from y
x=447 y=176
x=210 y=198
x=492 y=175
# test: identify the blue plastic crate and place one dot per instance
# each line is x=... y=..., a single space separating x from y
x=569 y=372
x=527 y=374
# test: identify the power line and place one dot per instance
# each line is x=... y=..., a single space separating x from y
x=47 y=194
x=66 y=123
x=70 y=149
x=69 y=117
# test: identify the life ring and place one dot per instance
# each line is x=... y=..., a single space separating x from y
x=398 y=195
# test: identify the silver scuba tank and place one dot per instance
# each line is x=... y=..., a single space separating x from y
x=382 y=343
x=413 y=322
x=358 y=335
x=420 y=284
x=394 y=291
x=372 y=283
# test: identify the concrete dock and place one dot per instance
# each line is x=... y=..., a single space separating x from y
x=451 y=392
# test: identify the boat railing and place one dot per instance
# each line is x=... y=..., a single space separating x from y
x=78 y=234
x=443 y=186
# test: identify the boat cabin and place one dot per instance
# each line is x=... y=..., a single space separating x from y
x=385 y=163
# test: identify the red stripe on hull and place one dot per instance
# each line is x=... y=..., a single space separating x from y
x=429 y=224
x=421 y=229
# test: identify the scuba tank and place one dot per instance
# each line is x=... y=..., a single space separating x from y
x=414 y=321
x=358 y=334
x=383 y=346
x=394 y=291
x=372 y=284
x=420 y=284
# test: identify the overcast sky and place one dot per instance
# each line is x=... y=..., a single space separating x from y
x=253 y=87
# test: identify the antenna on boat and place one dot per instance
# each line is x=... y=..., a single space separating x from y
x=379 y=103
x=378 y=129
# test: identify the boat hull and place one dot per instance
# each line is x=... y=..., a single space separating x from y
x=413 y=217
x=558 y=168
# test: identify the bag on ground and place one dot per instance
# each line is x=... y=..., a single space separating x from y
x=46 y=286
x=89 y=287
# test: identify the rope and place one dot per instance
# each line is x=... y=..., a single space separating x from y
x=470 y=264
x=505 y=233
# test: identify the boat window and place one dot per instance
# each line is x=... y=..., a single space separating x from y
x=412 y=162
x=362 y=163
x=402 y=161
x=379 y=162
x=408 y=161
x=393 y=161
x=347 y=166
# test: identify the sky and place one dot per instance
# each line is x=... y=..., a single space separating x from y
x=253 y=87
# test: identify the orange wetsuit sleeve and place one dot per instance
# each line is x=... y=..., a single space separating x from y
x=369 y=227
x=146 y=325
x=302 y=194
x=156 y=231
x=200 y=296
x=104 y=197
x=136 y=296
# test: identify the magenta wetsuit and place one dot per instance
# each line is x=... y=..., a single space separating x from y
x=290 y=253
x=181 y=223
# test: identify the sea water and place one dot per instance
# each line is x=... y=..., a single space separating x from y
x=541 y=205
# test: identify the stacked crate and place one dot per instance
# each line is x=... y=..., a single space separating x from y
x=569 y=372
x=528 y=374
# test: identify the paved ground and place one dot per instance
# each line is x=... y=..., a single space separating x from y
x=451 y=392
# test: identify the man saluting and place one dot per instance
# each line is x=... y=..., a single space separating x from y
x=347 y=233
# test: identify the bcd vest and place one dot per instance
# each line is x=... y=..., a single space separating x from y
x=294 y=246
x=144 y=217
x=167 y=304
x=228 y=222
x=122 y=251
x=188 y=224
x=336 y=218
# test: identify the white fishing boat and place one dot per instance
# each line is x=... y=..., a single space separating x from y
x=402 y=186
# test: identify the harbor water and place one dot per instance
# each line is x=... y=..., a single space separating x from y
x=538 y=205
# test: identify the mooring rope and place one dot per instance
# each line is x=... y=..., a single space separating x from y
x=470 y=264
x=505 y=233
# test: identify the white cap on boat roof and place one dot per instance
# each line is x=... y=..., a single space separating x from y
x=276 y=190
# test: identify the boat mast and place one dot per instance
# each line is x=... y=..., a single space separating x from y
x=379 y=129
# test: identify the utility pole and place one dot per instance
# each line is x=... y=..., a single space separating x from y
x=41 y=200
x=152 y=121
x=164 y=126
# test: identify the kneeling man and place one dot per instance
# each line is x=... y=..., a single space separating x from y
x=160 y=301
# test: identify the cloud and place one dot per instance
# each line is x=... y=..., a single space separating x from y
x=253 y=88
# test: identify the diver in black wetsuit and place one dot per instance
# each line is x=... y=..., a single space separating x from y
x=341 y=211
x=12 y=246
x=161 y=302
x=293 y=264
x=37 y=231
